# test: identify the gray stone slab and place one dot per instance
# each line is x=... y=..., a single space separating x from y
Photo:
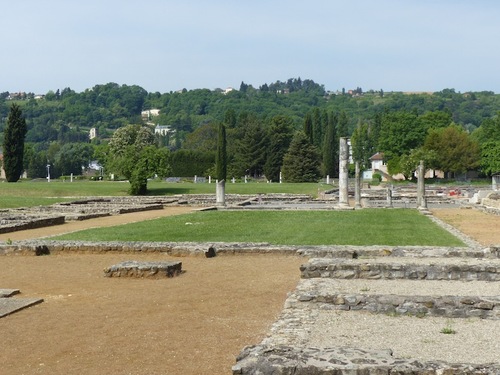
x=11 y=305
x=144 y=269
x=4 y=293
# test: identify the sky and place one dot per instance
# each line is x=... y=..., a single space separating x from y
x=166 y=45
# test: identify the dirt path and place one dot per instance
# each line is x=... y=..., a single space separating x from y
x=484 y=228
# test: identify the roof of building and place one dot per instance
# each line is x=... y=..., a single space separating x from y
x=377 y=156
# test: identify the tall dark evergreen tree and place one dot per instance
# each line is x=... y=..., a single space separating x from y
x=308 y=127
x=362 y=149
x=343 y=125
x=280 y=135
x=331 y=147
x=221 y=156
x=317 y=128
x=13 y=144
x=251 y=151
x=301 y=162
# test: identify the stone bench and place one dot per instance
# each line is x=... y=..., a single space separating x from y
x=144 y=269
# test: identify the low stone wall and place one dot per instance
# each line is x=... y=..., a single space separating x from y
x=489 y=202
x=144 y=269
x=442 y=306
x=231 y=248
x=285 y=360
x=29 y=222
x=331 y=268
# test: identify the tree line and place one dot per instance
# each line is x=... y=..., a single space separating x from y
x=292 y=127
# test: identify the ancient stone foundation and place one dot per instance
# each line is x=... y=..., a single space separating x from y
x=420 y=306
x=144 y=269
x=285 y=360
x=357 y=269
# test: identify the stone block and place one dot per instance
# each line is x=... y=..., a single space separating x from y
x=144 y=269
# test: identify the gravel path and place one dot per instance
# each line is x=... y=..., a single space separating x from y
x=402 y=287
x=475 y=340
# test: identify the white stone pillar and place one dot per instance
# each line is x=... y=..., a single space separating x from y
x=220 y=193
x=421 y=201
x=389 y=196
x=344 y=173
x=357 y=188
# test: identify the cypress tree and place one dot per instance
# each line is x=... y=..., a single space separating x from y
x=221 y=156
x=308 y=127
x=330 y=147
x=13 y=144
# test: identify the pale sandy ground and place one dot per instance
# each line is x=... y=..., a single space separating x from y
x=192 y=324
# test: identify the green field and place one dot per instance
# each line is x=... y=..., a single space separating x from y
x=29 y=193
x=402 y=227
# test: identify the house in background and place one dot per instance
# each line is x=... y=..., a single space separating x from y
x=149 y=113
x=163 y=129
x=378 y=165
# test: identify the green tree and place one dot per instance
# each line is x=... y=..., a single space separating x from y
x=489 y=130
x=73 y=158
x=204 y=138
x=436 y=119
x=317 y=128
x=13 y=144
x=400 y=133
x=408 y=163
x=280 y=135
x=250 y=153
x=308 y=127
x=133 y=154
x=331 y=147
x=362 y=148
x=456 y=151
x=490 y=157
x=342 y=125
x=221 y=155
x=301 y=162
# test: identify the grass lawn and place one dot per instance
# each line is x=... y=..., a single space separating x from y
x=363 y=227
x=35 y=193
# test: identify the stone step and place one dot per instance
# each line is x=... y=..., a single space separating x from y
x=328 y=294
x=412 y=269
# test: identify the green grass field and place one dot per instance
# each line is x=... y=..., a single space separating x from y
x=30 y=193
x=363 y=227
